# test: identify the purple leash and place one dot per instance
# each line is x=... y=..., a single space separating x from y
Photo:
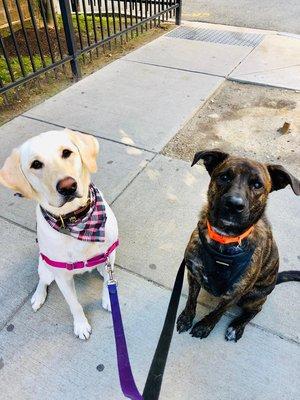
x=127 y=382
x=156 y=372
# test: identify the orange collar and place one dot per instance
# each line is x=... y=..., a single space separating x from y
x=227 y=239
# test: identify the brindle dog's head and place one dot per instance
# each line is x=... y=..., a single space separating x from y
x=239 y=188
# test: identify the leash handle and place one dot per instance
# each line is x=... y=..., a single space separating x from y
x=127 y=382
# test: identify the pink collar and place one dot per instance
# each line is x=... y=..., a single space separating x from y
x=92 y=262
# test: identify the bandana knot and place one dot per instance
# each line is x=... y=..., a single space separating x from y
x=89 y=228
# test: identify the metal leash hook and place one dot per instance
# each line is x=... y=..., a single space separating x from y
x=109 y=270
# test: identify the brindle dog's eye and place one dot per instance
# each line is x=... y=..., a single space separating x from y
x=66 y=153
x=256 y=184
x=225 y=178
x=36 y=164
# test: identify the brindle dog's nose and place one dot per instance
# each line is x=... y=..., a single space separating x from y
x=235 y=203
x=66 y=186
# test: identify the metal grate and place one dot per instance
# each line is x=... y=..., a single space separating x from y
x=217 y=36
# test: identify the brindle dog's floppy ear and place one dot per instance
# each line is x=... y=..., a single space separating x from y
x=211 y=158
x=280 y=178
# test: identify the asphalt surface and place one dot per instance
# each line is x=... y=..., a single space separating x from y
x=277 y=15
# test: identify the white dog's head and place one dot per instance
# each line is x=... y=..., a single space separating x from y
x=53 y=168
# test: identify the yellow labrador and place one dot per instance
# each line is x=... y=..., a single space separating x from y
x=75 y=225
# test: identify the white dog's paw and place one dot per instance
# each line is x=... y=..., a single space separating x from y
x=82 y=329
x=106 y=303
x=38 y=299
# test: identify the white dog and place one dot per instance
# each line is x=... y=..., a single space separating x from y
x=75 y=225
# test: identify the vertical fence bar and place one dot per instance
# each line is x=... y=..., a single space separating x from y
x=36 y=32
x=86 y=23
x=136 y=16
x=107 y=18
x=141 y=15
x=114 y=18
x=70 y=37
x=14 y=38
x=131 y=17
x=78 y=28
x=125 y=17
x=150 y=12
x=94 y=25
x=100 y=18
x=56 y=29
x=47 y=31
x=120 y=19
x=155 y=11
x=11 y=74
x=178 y=12
x=25 y=35
x=146 y=12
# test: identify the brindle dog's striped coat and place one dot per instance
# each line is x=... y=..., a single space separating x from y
x=237 y=198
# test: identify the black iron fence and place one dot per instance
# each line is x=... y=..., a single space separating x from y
x=37 y=36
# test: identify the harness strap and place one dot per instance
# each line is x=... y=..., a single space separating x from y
x=155 y=375
x=92 y=262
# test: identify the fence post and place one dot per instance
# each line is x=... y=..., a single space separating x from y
x=178 y=13
x=70 y=37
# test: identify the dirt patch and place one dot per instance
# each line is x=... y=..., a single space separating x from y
x=23 y=50
x=244 y=120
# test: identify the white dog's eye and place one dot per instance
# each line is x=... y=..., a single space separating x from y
x=66 y=153
x=36 y=164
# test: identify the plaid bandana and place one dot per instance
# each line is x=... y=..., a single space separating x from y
x=90 y=228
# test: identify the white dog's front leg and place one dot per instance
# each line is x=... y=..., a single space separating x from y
x=102 y=270
x=40 y=294
x=65 y=282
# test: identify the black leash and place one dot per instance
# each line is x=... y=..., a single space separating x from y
x=156 y=372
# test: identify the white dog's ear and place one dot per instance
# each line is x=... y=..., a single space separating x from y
x=88 y=147
x=12 y=176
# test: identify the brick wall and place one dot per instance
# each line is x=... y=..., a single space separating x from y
x=13 y=12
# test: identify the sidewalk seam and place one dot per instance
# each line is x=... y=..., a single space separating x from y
x=227 y=313
x=240 y=62
x=85 y=132
x=175 y=68
x=10 y=221
x=136 y=175
x=17 y=309
x=232 y=79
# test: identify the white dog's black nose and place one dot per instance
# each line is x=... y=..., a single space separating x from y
x=66 y=186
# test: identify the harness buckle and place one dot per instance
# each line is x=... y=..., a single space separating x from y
x=112 y=280
x=70 y=266
x=224 y=264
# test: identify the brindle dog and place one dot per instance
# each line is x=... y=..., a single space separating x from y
x=237 y=197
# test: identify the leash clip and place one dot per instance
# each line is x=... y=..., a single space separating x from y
x=109 y=270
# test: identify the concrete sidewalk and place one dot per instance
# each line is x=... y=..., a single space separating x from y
x=134 y=106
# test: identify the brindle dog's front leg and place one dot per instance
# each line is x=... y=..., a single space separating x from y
x=185 y=319
x=203 y=328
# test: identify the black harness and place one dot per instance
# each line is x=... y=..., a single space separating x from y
x=221 y=270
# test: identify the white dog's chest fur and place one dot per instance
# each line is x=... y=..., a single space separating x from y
x=64 y=248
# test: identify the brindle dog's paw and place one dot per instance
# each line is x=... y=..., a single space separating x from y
x=202 y=329
x=184 y=322
x=234 y=333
